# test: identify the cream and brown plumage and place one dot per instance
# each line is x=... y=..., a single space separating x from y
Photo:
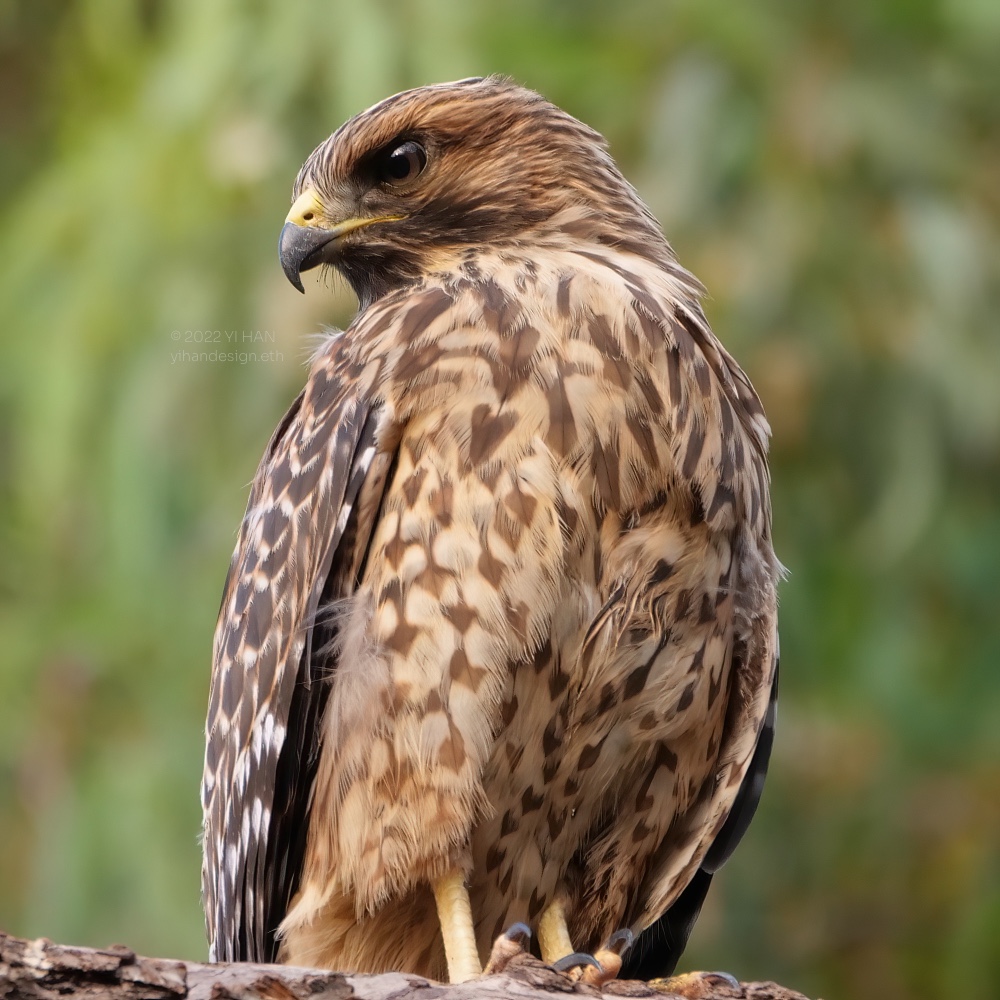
x=498 y=641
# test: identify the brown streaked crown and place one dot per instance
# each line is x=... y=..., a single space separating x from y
x=501 y=163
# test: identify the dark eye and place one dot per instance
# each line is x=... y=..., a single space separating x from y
x=401 y=164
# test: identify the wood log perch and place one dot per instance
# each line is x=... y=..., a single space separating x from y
x=41 y=970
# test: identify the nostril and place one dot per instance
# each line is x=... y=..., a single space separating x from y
x=307 y=217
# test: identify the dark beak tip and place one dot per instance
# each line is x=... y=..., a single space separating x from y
x=287 y=256
x=300 y=249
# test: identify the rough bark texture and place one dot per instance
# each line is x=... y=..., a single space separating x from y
x=41 y=970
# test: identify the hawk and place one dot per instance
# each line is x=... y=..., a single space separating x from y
x=498 y=640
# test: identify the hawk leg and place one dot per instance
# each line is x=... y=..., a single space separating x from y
x=553 y=933
x=457 y=930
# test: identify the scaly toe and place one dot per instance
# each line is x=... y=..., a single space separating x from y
x=698 y=985
x=609 y=958
x=513 y=942
x=576 y=960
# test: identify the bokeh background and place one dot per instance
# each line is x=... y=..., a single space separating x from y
x=831 y=171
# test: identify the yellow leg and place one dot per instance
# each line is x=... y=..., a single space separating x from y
x=455 y=915
x=553 y=934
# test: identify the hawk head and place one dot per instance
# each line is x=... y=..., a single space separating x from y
x=412 y=184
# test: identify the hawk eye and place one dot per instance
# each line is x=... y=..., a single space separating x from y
x=402 y=163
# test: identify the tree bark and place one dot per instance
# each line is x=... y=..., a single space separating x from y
x=41 y=970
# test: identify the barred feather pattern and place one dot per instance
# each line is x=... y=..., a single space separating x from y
x=504 y=599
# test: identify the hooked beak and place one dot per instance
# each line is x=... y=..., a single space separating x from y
x=305 y=244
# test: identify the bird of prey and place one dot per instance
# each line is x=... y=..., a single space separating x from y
x=498 y=640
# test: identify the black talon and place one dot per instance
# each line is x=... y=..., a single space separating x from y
x=620 y=942
x=576 y=961
x=521 y=933
x=726 y=978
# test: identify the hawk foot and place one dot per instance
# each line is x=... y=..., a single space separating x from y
x=698 y=985
x=577 y=960
x=606 y=962
x=513 y=942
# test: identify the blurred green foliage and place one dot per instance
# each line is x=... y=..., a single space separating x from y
x=832 y=172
